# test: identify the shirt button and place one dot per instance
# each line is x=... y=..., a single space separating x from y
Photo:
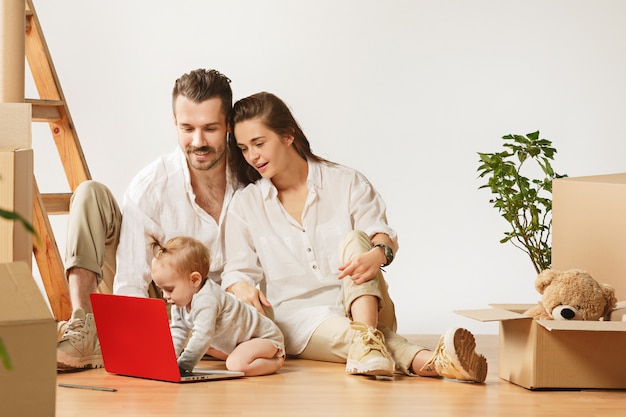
x=314 y=266
x=308 y=249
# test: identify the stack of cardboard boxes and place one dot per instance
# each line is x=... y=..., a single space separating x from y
x=589 y=232
x=27 y=328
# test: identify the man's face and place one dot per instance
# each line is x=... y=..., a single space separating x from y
x=201 y=132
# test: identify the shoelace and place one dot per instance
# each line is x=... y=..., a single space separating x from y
x=372 y=340
x=75 y=328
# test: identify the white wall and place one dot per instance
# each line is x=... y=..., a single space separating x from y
x=405 y=91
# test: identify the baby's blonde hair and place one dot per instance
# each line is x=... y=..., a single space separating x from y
x=188 y=255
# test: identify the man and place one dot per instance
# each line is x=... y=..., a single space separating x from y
x=183 y=193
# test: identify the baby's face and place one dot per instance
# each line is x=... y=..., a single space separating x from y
x=177 y=289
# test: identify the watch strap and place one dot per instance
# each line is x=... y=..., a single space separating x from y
x=388 y=253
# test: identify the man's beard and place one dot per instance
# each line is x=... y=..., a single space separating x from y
x=205 y=165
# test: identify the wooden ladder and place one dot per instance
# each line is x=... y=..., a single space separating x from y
x=52 y=108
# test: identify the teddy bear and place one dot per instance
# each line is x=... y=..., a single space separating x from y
x=572 y=295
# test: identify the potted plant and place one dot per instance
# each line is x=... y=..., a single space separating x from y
x=525 y=203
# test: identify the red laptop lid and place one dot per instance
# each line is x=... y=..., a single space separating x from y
x=135 y=336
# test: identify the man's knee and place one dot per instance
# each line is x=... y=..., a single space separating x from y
x=87 y=191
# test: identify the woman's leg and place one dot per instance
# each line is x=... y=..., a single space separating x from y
x=377 y=301
x=454 y=357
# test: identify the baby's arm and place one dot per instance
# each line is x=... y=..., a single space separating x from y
x=180 y=332
x=202 y=333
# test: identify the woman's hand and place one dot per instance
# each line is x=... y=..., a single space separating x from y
x=250 y=295
x=363 y=267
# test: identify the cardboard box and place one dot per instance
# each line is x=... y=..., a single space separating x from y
x=588 y=232
x=16 y=180
x=15 y=126
x=27 y=346
x=16 y=195
x=555 y=354
x=589 y=227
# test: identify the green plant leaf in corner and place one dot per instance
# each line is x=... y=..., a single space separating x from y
x=4 y=357
x=9 y=215
x=526 y=204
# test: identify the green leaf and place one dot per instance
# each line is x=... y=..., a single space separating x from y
x=9 y=215
x=525 y=203
x=4 y=357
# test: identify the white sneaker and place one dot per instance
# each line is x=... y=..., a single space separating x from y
x=79 y=346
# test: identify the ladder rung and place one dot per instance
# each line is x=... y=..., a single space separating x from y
x=45 y=110
x=56 y=203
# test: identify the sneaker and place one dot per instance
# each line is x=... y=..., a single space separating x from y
x=368 y=354
x=79 y=346
x=456 y=358
x=61 y=329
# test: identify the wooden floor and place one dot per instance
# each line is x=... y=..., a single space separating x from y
x=307 y=388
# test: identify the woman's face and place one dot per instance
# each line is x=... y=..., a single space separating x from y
x=263 y=148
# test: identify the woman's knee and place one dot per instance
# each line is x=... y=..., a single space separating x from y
x=355 y=242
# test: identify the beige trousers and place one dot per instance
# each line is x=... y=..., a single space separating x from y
x=93 y=232
x=332 y=339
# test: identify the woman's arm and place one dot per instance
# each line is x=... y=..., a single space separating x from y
x=365 y=266
x=250 y=295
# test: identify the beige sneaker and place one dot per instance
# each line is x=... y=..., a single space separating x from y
x=61 y=329
x=456 y=358
x=368 y=354
x=79 y=346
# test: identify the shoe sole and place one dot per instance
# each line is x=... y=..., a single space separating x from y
x=472 y=365
x=66 y=362
x=372 y=368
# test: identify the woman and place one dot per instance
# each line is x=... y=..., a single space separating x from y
x=311 y=235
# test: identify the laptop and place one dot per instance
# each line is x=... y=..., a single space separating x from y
x=135 y=340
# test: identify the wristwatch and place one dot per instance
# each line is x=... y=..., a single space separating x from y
x=388 y=253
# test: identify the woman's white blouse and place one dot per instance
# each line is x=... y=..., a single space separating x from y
x=296 y=265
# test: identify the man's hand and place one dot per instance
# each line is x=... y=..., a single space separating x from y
x=250 y=295
x=362 y=268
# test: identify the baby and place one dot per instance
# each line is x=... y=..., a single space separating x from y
x=203 y=315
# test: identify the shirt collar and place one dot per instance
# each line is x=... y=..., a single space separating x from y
x=313 y=181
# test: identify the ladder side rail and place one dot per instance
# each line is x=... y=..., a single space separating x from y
x=49 y=260
x=49 y=88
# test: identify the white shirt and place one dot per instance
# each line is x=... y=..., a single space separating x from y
x=297 y=265
x=160 y=202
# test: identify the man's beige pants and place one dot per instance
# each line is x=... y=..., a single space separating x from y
x=93 y=232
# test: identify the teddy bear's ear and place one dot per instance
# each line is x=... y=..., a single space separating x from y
x=544 y=279
x=611 y=300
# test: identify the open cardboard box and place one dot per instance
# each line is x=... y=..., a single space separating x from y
x=27 y=346
x=588 y=232
x=554 y=354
